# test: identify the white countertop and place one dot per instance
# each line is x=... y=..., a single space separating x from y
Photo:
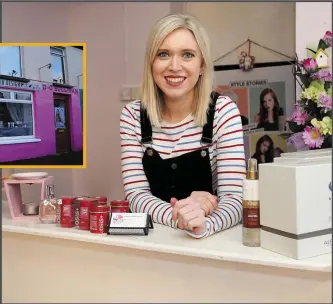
x=226 y=245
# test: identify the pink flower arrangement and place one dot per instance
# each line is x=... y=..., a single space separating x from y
x=311 y=120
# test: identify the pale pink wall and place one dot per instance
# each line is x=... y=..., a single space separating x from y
x=35 y=22
x=230 y=24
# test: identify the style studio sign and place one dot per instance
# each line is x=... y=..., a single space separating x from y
x=60 y=89
x=20 y=84
x=248 y=83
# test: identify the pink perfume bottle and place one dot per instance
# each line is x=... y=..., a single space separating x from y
x=48 y=207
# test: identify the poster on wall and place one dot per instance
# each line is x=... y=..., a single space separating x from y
x=59 y=118
x=263 y=105
x=265 y=98
x=248 y=86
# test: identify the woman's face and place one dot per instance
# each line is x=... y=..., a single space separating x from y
x=264 y=147
x=177 y=65
x=269 y=102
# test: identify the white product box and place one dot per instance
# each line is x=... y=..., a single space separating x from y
x=296 y=208
x=303 y=160
x=309 y=153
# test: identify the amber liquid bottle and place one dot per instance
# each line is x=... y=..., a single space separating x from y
x=251 y=206
x=48 y=207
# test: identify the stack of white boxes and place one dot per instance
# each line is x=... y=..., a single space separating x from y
x=296 y=204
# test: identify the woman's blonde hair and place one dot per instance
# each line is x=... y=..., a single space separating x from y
x=151 y=95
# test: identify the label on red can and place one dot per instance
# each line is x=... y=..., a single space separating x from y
x=67 y=219
x=67 y=210
x=99 y=222
x=84 y=212
x=93 y=223
x=84 y=218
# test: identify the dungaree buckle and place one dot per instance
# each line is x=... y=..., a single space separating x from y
x=206 y=140
x=147 y=140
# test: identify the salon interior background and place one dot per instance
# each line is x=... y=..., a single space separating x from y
x=116 y=34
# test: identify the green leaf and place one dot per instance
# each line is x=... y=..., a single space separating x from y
x=294 y=127
x=322 y=44
x=327 y=87
x=314 y=52
x=305 y=79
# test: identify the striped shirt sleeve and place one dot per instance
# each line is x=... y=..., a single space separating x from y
x=136 y=186
x=230 y=170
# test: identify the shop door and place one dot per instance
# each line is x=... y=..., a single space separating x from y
x=62 y=125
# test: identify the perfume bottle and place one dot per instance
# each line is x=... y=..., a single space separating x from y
x=48 y=207
x=251 y=206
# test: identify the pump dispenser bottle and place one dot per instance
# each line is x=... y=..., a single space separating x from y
x=251 y=206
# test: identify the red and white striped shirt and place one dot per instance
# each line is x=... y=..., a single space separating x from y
x=171 y=140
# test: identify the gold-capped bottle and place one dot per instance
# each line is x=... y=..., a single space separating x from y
x=251 y=206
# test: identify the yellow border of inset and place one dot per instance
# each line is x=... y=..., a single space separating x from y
x=84 y=78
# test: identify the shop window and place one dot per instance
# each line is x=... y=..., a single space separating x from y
x=58 y=65
x=16 y=115
x=10 y=61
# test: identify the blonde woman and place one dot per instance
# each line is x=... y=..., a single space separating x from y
x=182 y=152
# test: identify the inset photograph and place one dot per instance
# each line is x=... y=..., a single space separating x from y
x=265 y=146
x=42 y=98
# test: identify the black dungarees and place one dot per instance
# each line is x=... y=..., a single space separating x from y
x=178 y=176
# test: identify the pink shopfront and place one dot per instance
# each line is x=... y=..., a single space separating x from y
x=38 y=119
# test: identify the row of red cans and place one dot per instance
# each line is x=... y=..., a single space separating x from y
x=88 y=213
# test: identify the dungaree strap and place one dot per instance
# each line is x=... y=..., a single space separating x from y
x=207 y=131
x=146 y=129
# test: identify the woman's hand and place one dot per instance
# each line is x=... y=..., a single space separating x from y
x=189 y=214
x=208 y=202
